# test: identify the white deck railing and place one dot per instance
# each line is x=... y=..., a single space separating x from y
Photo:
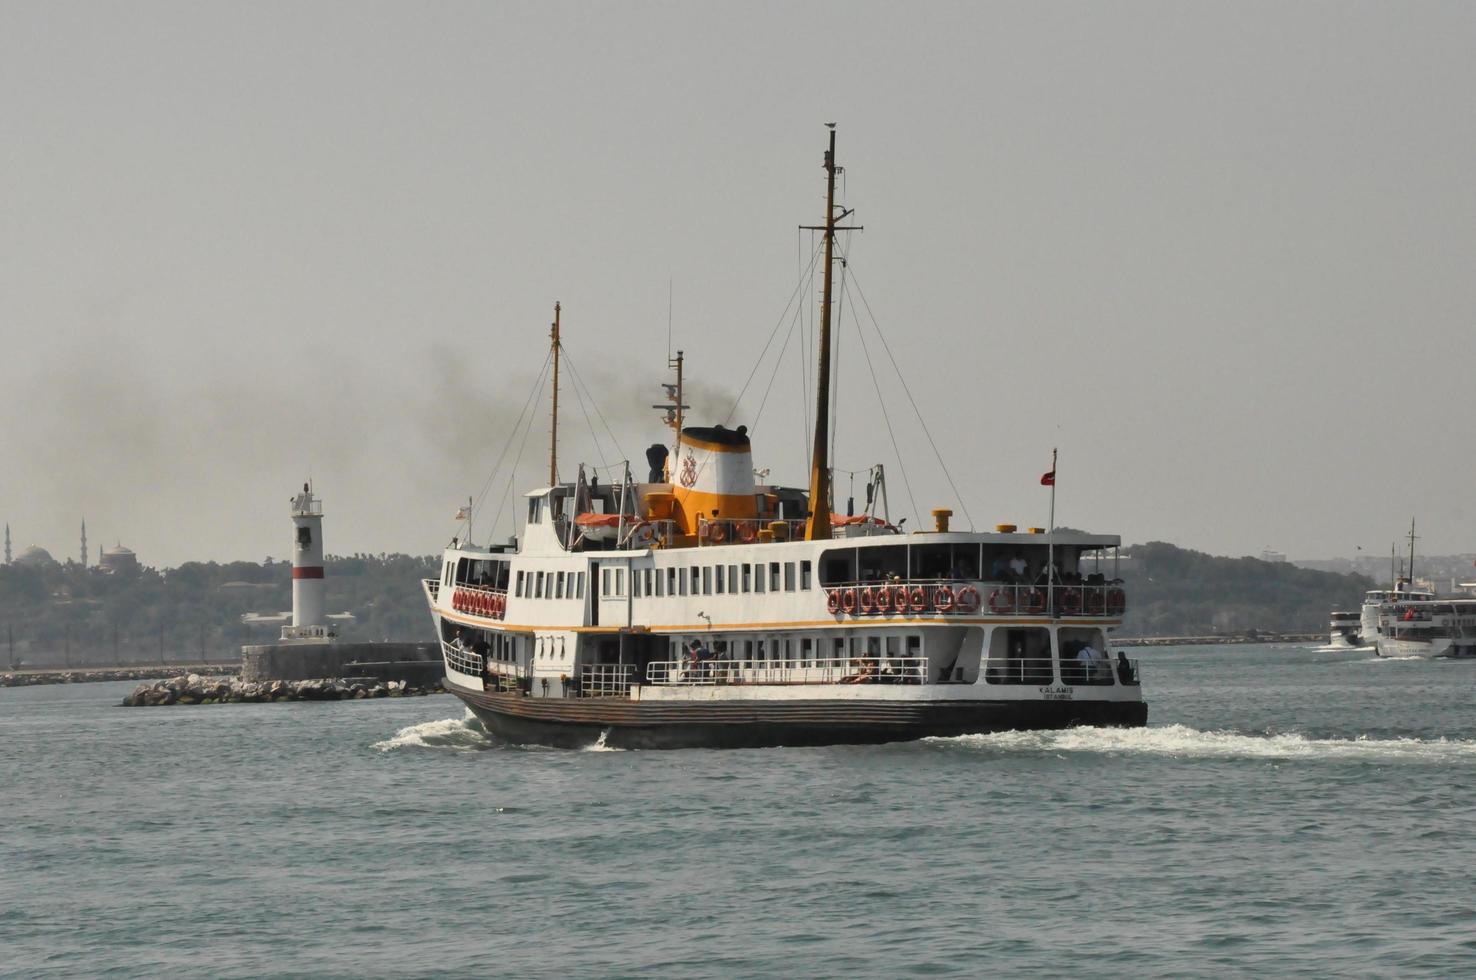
x=606 y=680
x=947 y=597
x=854 y=670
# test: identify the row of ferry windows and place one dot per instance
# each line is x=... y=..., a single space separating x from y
x=549 y=585
x=734 y=579
x=721 y=579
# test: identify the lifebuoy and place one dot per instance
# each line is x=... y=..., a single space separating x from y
x=968 y=599
x=719 y=533
x=1002 y=602
x=918 y=599
x=899 y=598
x=1096 y=603
x=748 y=531
x=1034 y=602
x=458 y=600
x=1070 y=602
x=883 y=598
x=1116 y=602
x=943 y=598
x=497 y=602
x=848 y=600
x=865 y=601
x=832 y=601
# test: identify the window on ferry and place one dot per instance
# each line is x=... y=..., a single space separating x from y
x=648 y=575
x=747 y=578
x=635 y=583
x=579 y=585
x=696 y=579
x=1075 y=669
x=873 y=647
x=707 y=580
x=789 y=576
x=838 y=648
x=914 y=645
x=538 y=587
x=620 y=581
x=807 y=650
x=805 y=576
x=774 y=576
x=759 y=577
x=1019 y=656
x=717 y=580
x=838 y=566
x=660 y=582
x=671 y=581
x=681 y=581
x=533 y=511
x=732 y=578
x=520 y=585
x=605 y=581
x=559 y=586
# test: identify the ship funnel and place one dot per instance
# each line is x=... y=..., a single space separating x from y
x=656 y=460
x=712 y=477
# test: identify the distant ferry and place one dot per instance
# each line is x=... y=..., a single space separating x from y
x=1421 y=625
x=1346 y=630
x=702 y=608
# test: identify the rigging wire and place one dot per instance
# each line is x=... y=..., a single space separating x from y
x=773 y=375
x=513 y=472
x=580 y=383
x=886 y=416
x=511 y=435
x=916 y=411
x=784 y=315
x=589 y=422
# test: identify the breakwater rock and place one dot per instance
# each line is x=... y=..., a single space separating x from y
x=86 y=675
x=194 y=689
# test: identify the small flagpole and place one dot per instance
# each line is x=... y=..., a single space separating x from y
x=469 y=517
x=1051 y=534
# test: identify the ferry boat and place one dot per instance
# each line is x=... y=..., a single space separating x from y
x=1346 y=630
x=702 y=608
x=1427 y=627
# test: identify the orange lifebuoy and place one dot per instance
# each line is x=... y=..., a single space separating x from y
x=1069 y=602
x=832 y=601
x=1096 y=603
x=918 y=599
x=883 y=598
x=719 y=532
x=1034 y=602
x=1116 y=602
x=968 y=599
x=943 y=598
x=848 y=600
x=458 y=600
x=899 y=598
x=865 y=601
x=1002 y=602
x=748 y=531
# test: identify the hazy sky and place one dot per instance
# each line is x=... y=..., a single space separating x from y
x=1222 y=255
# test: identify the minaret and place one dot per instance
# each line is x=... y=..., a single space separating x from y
x=308 y=620
x=84 y=542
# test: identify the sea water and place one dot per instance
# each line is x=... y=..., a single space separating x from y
x=1288 y=811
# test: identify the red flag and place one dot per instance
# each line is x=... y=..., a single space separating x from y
x=1049 y=479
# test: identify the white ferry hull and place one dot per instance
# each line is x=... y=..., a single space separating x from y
x=761 y=723
x=1432 y=649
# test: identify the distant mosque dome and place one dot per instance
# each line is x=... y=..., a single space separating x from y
x=35 y=555
x=118 y=559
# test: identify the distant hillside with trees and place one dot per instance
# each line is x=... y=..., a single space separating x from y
x=66 y=615
x=1176 y=592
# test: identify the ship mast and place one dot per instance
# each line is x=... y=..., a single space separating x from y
x=553 y=442
x=817 y=525
x=1411 y=553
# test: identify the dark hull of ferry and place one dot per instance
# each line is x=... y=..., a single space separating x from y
x=579 y=722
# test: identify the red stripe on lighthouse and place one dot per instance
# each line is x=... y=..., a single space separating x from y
x=307 y=572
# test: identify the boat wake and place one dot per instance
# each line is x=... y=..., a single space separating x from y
x=1183 y=742
x=464 y=734
x=1388 y=660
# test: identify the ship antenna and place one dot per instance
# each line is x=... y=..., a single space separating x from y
x=1411 y=552
x=817 y=526
x=553 y=442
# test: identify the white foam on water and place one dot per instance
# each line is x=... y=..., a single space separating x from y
x=600 y=746
x=464 y=734
x=1389 y=660
x=1183 y=742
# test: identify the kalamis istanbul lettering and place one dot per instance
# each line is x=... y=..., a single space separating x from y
x=1057 y=692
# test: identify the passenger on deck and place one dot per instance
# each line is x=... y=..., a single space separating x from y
x=1017 y=568
x=1000 y=570
x=1124 y=669
x=1092 y=663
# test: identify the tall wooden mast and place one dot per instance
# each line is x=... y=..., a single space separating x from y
x=553 y=442
x=817 y=526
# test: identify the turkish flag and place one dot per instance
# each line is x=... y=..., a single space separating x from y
x=1049 y=479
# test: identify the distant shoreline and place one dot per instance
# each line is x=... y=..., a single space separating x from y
x=1219 y=640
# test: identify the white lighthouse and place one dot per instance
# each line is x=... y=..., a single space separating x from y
x=308 y=620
